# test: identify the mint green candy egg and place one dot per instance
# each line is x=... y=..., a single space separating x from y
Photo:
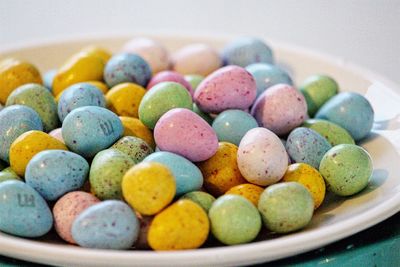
x=204 y=199
x=333 y=133
x=194 y=80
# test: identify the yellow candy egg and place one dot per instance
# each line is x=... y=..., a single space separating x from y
x=93 y=50
x=100 y=85
x=134 y=127
x=14 y=73
x=28 y=145
x=183 y=225
x=124 y=99
x=310 y=178
x=148 y=187
x=250 y=191
x=221 y=171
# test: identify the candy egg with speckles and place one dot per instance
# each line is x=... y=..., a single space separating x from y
x=251 y=192
x=170 y=76
x=134 y=127
x=124 y=99
x=262 y=158
x=333 y=133
x=134 y=147
x=203 y=199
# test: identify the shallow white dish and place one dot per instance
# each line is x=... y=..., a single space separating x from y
x=336 y=219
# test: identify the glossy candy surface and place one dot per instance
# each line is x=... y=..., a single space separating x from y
x=134 y=147
x=203 y=199
x=124 y=99
x=134 y=127
x=251 y=192
x=333 y=133
x=170 y=76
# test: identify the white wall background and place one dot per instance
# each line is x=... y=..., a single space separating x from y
x=363 y=31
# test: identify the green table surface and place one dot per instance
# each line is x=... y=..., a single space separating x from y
x=376 y=246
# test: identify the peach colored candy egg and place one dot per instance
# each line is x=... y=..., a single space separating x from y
x=56 y=133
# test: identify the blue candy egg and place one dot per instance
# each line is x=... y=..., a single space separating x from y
x=351 y=111
x=55 y=172
x=79 y=95
x=88 y=130
x=231 y=125
x=247 y=50
x=111 y=224
x=188 y=177
x=48 y=78
x=126 y=67
x=267 y=75
x=14 y=121
x=307 y=146
x=23 y=211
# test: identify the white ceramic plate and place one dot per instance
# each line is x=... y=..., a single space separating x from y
x=336 y=219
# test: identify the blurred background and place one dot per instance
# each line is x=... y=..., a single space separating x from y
x=366 y=32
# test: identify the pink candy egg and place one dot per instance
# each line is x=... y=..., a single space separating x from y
x=183 y=132
x=170 y=76
x=56 y=133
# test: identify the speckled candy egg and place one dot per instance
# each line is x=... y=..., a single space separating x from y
x=194 y=80
x=57 y=133
x=170 y=76
x=346 y=169
x=134 y=147
x=124 y=99
x=281 y=108
x=197 y=140
x=24 y=212
x=261 y=157
x=14 y=121
x=37 y=97
x=183 y=225
x=333 y=133
x=351 y=111
x=267 y=75
x=87 y=130
x=97 y=51
x=187 y=176
x=126 y=67
x=100 y=85
x=134 y=127
x=67 y=208
x=203 y=199
x=286 y=207
x=306 y=146
x=251 y=192
x=230 y=87
x=234 y=220
x=231 y=125
x=79 y=95
x=111 y=224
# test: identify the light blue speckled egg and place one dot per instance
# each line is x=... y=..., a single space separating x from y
x=111 y=224
x=231 y=125
x=48 y=78
x=23 y=211
x=125 y=67
x=188 y=177
x=267 y=75
x=79 y=95
x=14 y=121
x=55 y=172
x=306 y=146
x=87 y=130
x=351 y=111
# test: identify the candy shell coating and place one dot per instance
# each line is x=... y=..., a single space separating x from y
x=8 y=174
x=97 y=51
x=124 y=99
x=202 y=114
x=134 y=147
x=194 y=80
x=251 y=192
x=57 y=133
x=100 y=85
x=333 y=133
x=134 y=127
x=48 y=78
x=203 y=199
x=170 y=76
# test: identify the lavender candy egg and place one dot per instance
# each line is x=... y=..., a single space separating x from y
x=281 y=108
x=230 y=87
x=262 y=158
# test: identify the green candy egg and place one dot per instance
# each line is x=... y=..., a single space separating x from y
x=205 y=200
x=346 y=169
x=335 y=134
x=202 y=114
x=234 y=220
x=8 y=174
x=286 y=207
x=194 y=80
x=134 y=147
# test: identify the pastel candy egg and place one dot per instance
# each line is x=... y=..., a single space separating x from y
x=124 y=99
x=221 y=171
x=202 y=114
x=134 y=127
x=306 y=146
x=230 y=87
x=351 y=111
x=267 y=75
x=194 y=80
x=100 y=85
x=262 y=158
x=126 y=67
x=88 y=130
x=111 y=224
x=48 y=78
x=134 y=147
x=187 y=176
x=28 y=145
x=97 y=51
x=245 y=51
x=148 y=187
x=286 y=207
x=106 y=172
x=251 y=192
x=234 y=220
x=310 y=178
x=8 y=174
x=38 y=98
x=183 y=225
x=24 y=212
x=79 y=95
x=161 y=98
x=14 y=121
x=57 y=133
x=318 y=89
x=281 y=108
x=196 y=59
x=333 y=133
x=197 y=140
x=203 y=199
x=170 y=76
x=232 y=125
x=347 y=169
x=67 y=208
x=55 y=172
